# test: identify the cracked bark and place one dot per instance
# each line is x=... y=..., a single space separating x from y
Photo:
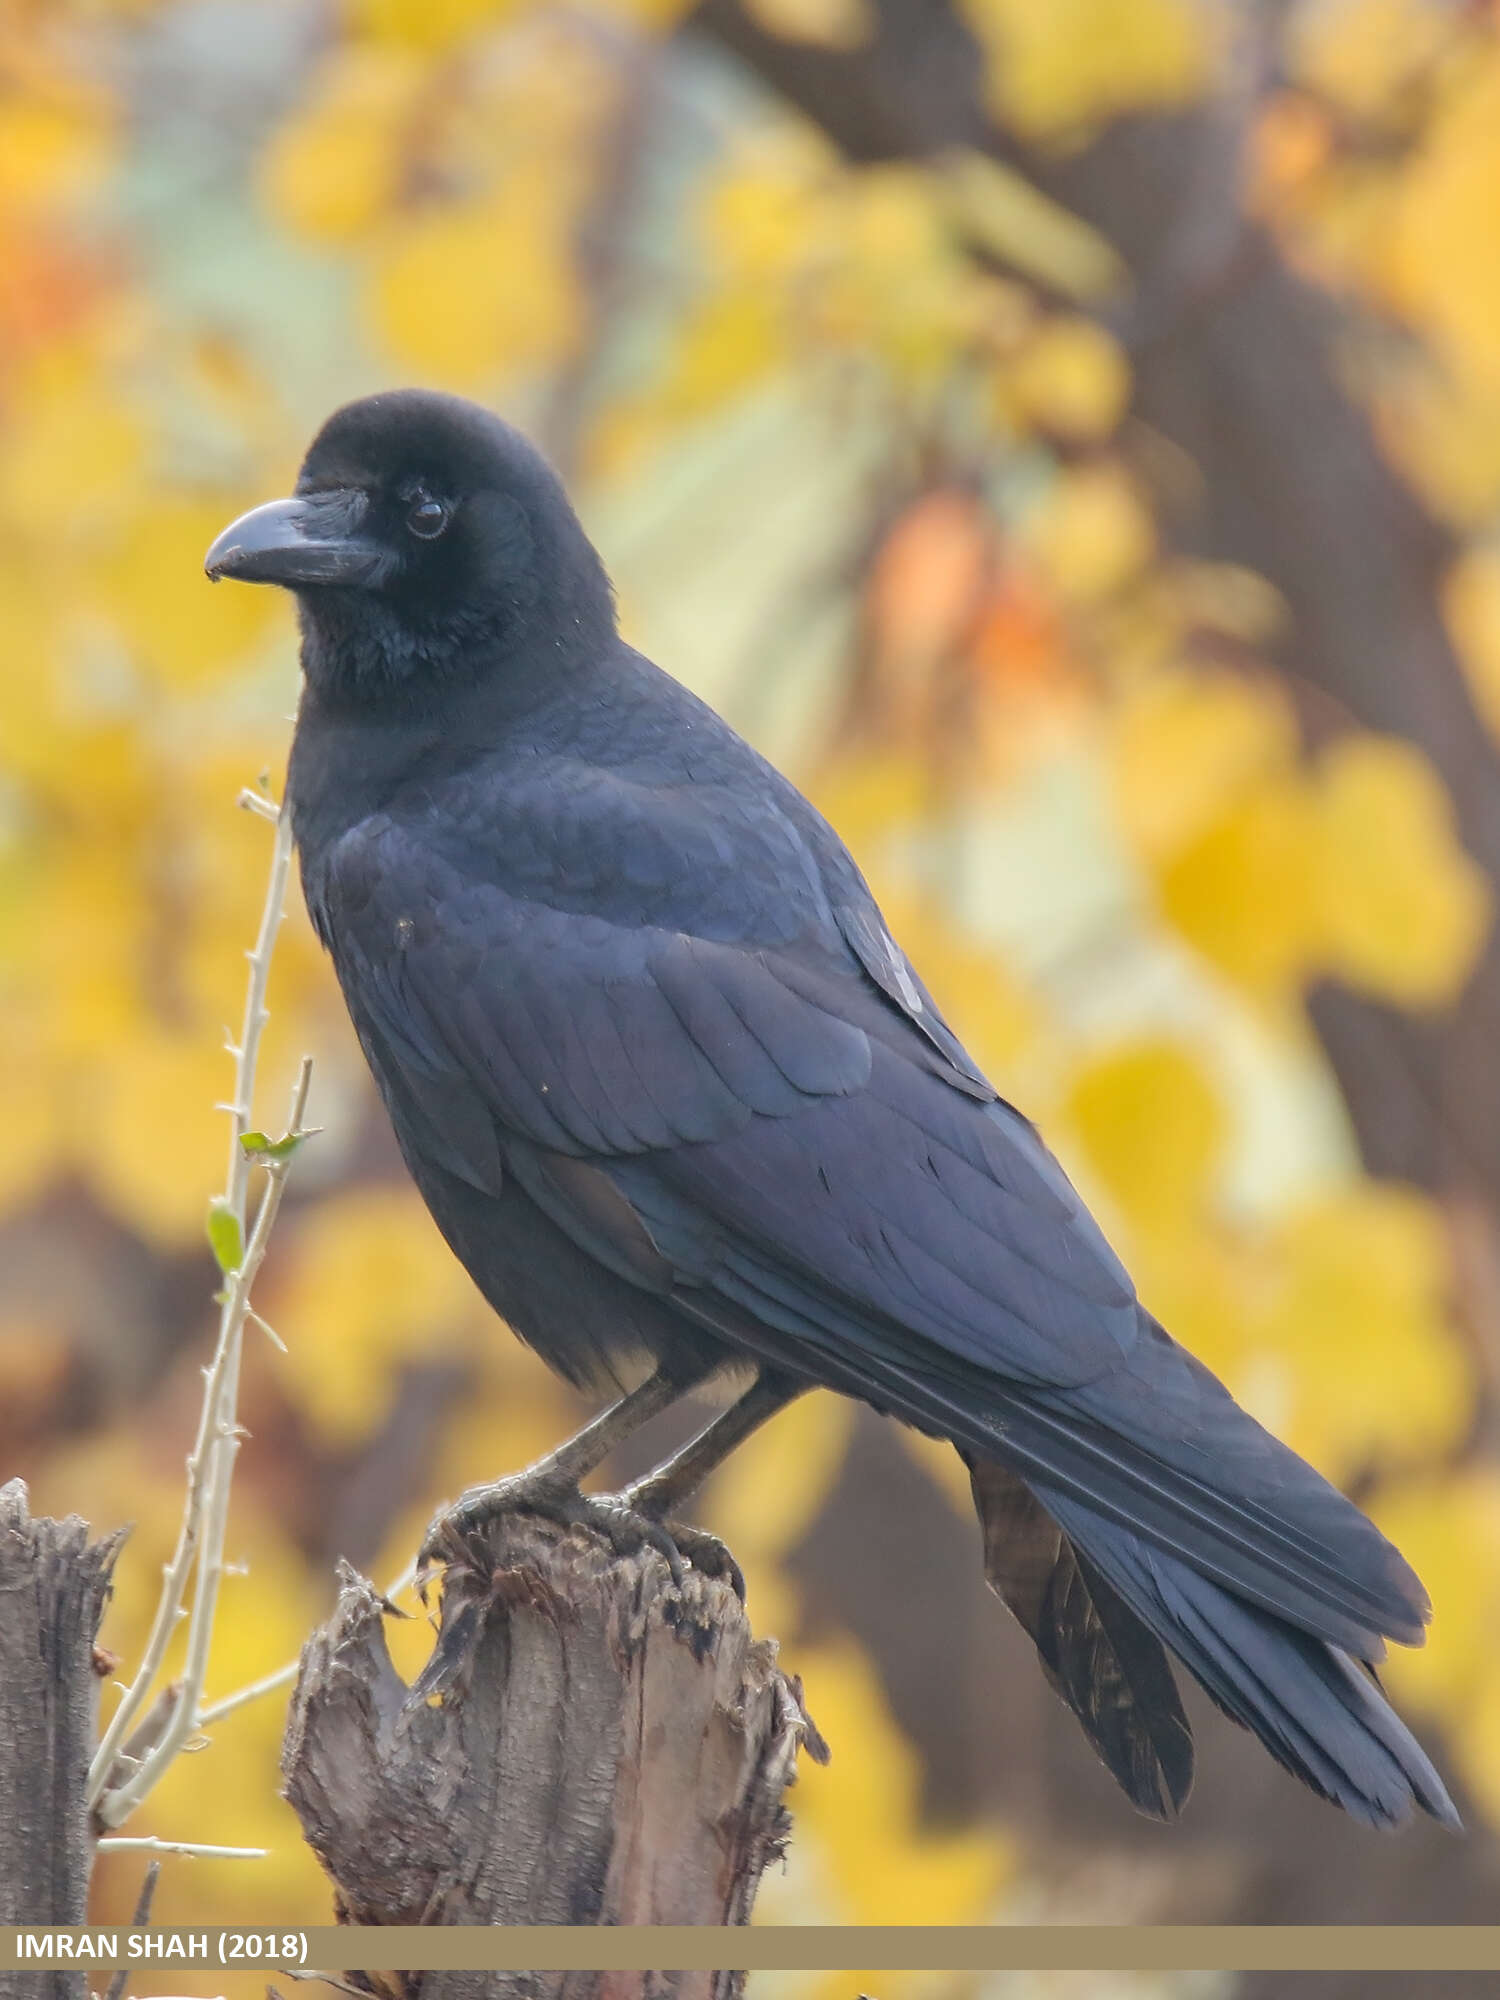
x=590 y=1744
x=53 y=1585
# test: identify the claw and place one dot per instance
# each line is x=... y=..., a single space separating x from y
x=628 y=1527
x=707 y=1554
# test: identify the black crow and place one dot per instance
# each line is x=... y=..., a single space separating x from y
x=675 y=1096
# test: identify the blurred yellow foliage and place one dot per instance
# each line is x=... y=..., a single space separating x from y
x=1077 y=62
x=1471 y=604
x=367 y=1284
x=75 y=449
x=152 y=590
x=1072 y=379
x=1156 y=1086
x=1092 y=532
x=1273 y=871
x=1241 y=892
x=57 y=139
x=832 y=24
x=1403 y=911
x=1448 y=1526
x=1443 y=222
x=433 y=27
x=460 y=293
x=333 y=172
x=1185 y=743
x=764 y=1499
x=1353 y=1312
x=1361 y=54
x=867 y=1851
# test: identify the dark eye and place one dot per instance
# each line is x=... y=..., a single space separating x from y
x=426 y=517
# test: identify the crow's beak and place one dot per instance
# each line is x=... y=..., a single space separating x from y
x=295 y=542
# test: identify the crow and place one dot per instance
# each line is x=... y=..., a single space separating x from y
x=683 y=1108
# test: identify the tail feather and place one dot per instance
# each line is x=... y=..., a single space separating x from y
x=1104 y=1662
x=1317 y=1711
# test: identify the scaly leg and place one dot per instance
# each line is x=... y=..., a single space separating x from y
x=550 y=1487
x=680 y=1476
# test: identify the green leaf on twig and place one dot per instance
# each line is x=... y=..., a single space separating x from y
x=267 y=1152
x=225 y=1237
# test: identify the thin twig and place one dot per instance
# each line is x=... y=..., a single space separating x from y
x=211 y=1461
x=116 y=1987
x=147 y=1843
x=268 y=1683
x=114 y=1806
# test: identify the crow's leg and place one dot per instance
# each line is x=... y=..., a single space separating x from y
x=677 y=1478
x=550 y=1487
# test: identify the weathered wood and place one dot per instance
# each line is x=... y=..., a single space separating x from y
x=592 y=1744
x=53 y=1584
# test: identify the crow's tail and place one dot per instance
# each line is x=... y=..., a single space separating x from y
x=1101 y=1607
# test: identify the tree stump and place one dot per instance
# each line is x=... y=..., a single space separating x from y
x=53 y=1584
x=590 y=1744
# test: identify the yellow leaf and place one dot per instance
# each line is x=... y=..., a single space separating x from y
x=1354 y=1299
x=335 y=168
x=1076 y=62
x=1001 y=211
x=1153 y=1128
x=467 y=293
x=735 y=338
x=1242 y=892
x=434 y=25
x=1404 y=911
x=762 y=216
x=1072 y=380
x=1359 y=53
x=829 y=24
x=56 y=143
x=1185 y=744
x=74 y=448
x=177 y=624
x=1092 y=533
x=1222 y=597
x=1443 y=432
x=1439 y=264
x=1447 y=1525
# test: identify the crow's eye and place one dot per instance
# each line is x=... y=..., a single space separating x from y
x=426 y=517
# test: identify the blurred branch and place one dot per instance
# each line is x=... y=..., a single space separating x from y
x=609 y=1747
x=53 y=1584
x=119 y=1781
x=603 y=246
x=142 y=1916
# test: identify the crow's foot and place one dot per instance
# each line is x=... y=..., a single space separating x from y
x=627 y=1528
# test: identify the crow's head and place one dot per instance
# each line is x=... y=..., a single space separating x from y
x=427 y=542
